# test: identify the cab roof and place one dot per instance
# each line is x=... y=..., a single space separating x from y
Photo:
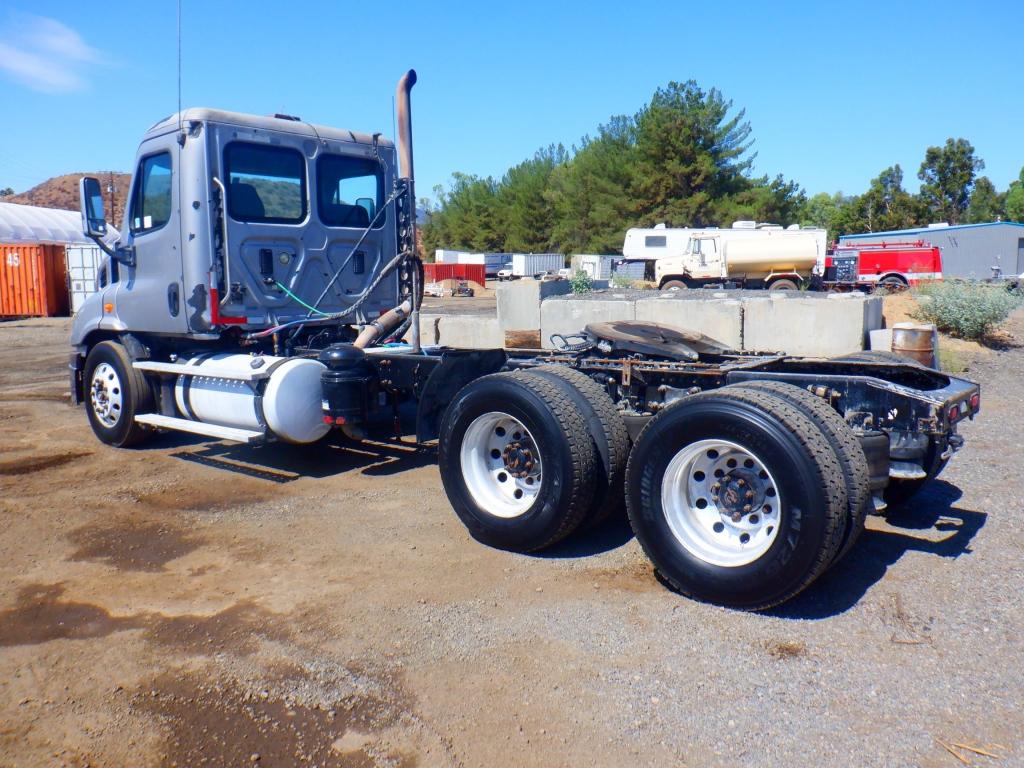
x=264 y=122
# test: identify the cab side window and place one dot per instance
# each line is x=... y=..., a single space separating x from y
x=151 y=197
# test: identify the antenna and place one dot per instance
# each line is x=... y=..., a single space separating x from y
x=179 y=66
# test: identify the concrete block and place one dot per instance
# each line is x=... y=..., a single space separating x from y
x=881 y=339
x=428 y=329
x=813 y=326
x=721 y=319
x=519 y=302
x=570 y=315
x=470 y=332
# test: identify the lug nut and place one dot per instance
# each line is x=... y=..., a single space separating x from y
x=750 y=494
x=747 y=507
x=716 y=487
x=741 y=482
x=736 y=517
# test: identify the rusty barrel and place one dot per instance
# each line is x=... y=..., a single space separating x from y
x=919 y=341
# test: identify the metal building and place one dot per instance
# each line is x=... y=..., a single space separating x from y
x=968 y=250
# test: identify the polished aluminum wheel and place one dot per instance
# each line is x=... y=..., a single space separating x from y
x=721 y=503
x=501 y=465
x=105 y=395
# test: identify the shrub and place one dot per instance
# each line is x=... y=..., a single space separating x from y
x=622 y=281
x=581 y=282
x=966 y=310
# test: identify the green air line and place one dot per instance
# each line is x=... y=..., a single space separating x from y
x=310 y=307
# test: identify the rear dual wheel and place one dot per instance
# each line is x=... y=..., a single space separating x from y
x=527 y=457
x=517 y=461
x=737 y=497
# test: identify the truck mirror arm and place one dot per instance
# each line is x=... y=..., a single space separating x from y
x=103 y=246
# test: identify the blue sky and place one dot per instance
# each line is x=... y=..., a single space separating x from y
x=834 y=92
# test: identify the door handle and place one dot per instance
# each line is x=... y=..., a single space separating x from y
x=173 y=299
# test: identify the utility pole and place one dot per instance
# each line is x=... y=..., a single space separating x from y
x=110 y=191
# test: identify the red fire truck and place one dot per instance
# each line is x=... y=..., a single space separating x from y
x=894 y=265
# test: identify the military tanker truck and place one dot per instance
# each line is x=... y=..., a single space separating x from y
x=776 y=259
x=265 y=278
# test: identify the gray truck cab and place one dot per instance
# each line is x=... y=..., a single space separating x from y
x=243 y=221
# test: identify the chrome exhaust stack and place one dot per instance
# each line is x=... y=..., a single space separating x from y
x=407 y=222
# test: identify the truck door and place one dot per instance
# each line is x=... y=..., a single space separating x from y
x=149 y=293
x=707 y=259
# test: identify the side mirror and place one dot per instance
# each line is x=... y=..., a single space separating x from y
x=94 y=224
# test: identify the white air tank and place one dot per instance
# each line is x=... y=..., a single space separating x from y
x=289 y=399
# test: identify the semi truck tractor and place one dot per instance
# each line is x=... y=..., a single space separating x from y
x=267 y=267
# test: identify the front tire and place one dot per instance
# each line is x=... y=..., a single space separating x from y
x=674 y=285
x=517 y=461
x=688 y=480
x=115 y=394
x=893 y=283
x=784 y=284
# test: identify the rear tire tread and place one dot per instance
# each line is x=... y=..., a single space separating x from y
x=609 y=432
x=581 y=448
x=847 y=447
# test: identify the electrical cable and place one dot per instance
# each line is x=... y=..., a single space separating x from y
x=337 y=315
x=394 y=195
x=296 y=298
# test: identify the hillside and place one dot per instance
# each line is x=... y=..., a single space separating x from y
x=62 y=192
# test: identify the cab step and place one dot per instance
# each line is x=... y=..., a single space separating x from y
x=234 y=434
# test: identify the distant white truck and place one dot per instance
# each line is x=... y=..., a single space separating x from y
x=530 y=264
x=746 y=255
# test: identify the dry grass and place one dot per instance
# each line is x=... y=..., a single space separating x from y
x=785 y=649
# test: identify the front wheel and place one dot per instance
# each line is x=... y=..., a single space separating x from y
x=893 y=283
x=736 y=497
x=674 y=285
x=115 y=394
x=784 y=284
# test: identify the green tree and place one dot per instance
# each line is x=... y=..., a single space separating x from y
x=6 y=192
x=526 y=211
x=689 y=153
x=761 y=199
x=819 y=209
x=837 y=213
x=886 y=205
x=1015 y=199
x=947 y=178
x=590 y=195
x=986 y=203
x=469 y=216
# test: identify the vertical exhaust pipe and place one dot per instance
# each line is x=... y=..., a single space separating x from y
x=405 y=171
x=405 y=124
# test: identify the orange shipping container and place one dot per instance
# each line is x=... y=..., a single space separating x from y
x=33 y=280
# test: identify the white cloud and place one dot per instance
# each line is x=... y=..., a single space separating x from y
x=44 y=54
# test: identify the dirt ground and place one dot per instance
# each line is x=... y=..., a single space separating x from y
x=192 y=603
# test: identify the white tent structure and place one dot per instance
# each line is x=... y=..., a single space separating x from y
x=32 y=224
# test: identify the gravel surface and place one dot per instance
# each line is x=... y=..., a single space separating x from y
x=192 y=603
